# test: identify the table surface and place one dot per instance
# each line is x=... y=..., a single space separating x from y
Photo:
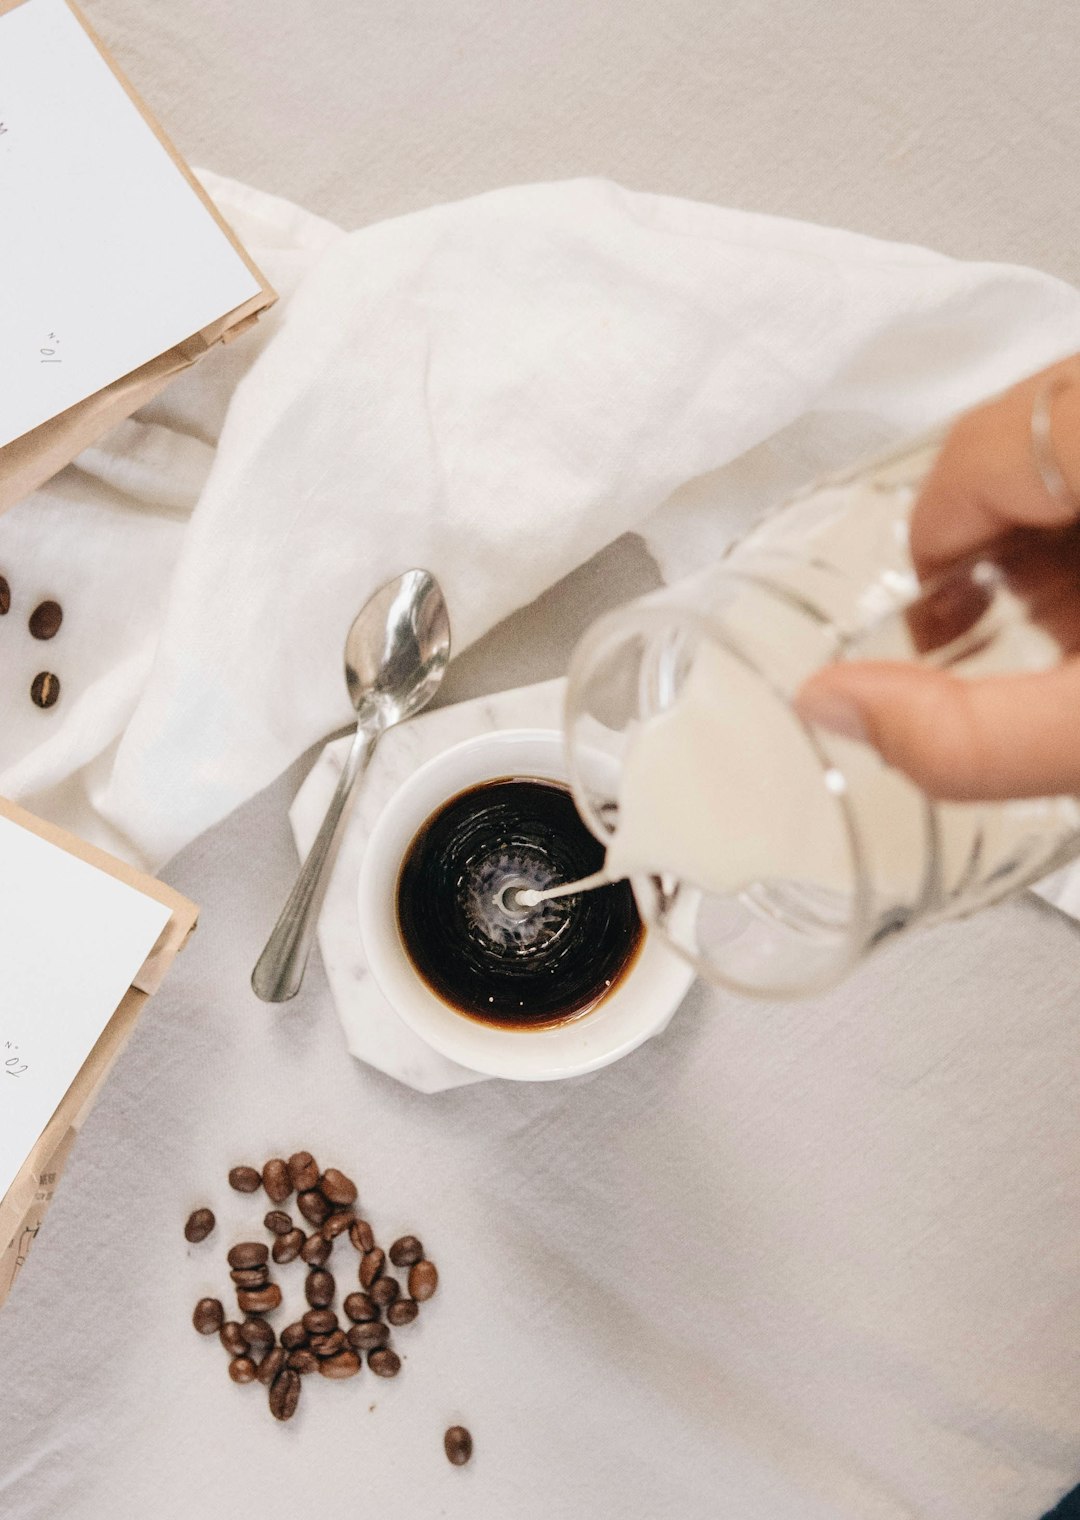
x=951 y=124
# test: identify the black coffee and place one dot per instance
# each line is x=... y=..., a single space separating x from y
x=478 y=951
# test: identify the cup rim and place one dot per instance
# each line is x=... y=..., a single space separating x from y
x=639 y=1006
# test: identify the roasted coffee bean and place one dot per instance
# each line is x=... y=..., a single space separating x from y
x=45 y=689
x=457 y=1443
x=242 y=1369
x=345 y=1364
x=316 y=1250
x=369 y=1336
x=45 y=620
x=406 y=1252
x=362 y=1236
x=403 y=1312
x=249 y=1253
x=371 y=1267
x=288 y=1247
x=320 y=1321
x=337 y=1187
x=251 y=1277
x=199 y=1225
x=319 y=1288
x=294 y=1336
x=245 y=1179
x=360 y=1306
x=209 y=1316
x=385 y=1290
x=278 y=1222
x=423 y=1280
x=302 y=1360
x=5 y=597
x=337 y=1224
x=328 y=1345
x=231 y=1338
x=384 y=1362
x=259 y=1300
x=285 y=1394
x=271 y=1365
x=256 y=1332
x=313 y=1206
x=303 y=1171
x=276 y=1180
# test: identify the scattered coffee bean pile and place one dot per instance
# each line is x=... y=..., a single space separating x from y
x=317 y=1342
x=44 y=623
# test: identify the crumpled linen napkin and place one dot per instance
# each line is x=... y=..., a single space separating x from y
x=493 y=389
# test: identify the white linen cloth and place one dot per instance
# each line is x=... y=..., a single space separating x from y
x=493 y=389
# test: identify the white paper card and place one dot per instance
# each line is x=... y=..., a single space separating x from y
x=107 y=255
x=72 y=939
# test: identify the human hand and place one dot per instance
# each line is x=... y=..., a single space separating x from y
x=997 y=736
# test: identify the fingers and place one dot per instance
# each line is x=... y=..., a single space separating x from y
x=960 y=740
x=985 y=480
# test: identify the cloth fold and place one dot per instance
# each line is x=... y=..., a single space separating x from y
x=493 y=389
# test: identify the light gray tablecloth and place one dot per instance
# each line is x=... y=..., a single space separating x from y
x=602 y=1327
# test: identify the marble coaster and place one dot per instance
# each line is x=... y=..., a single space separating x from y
x=373 y=1031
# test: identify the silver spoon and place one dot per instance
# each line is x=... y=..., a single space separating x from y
x=395 y=656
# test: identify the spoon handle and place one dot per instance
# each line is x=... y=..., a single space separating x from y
x=280 y=968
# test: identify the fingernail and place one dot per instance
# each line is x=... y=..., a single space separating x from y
x=833 y=711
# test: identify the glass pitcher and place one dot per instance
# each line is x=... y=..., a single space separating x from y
x=861 y=853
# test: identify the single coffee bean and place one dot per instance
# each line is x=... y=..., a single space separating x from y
x=360 y=1306
x=276 y=1180
x=45 y=620
x=256 y=1332
x=302 y=1360
x=231 y=1339
x=345 y=1364
x=242 y=1369
x=5 y=597
x=319 y=1288
x=199 y=1225
x=371 y=1267
x=259 y=1300
x=316 y=1250
x=337 y=1224
x=245 y=1179
x=457 y=1442
x=303 y=1171
x=335 y=1186
x=271 y=1365
x=277 y=1222
x=403 y=1312
x=320 y=1321
x=313 y=1206
x=209 y=1316
x=294 y=1336
x=384 y=1362
x=385 y=1290
x=328 y=1345
x=45 y=689
x=369 y=1336
x=423 y=1280
x=251 y=1277
x=362 y=1236
x=250 y=1253
x=288 y=1247
x=406 y=1252
x=285 y=1394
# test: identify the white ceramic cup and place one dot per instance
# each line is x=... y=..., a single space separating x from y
x=639 y=1005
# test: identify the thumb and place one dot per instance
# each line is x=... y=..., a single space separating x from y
x=960 y=740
